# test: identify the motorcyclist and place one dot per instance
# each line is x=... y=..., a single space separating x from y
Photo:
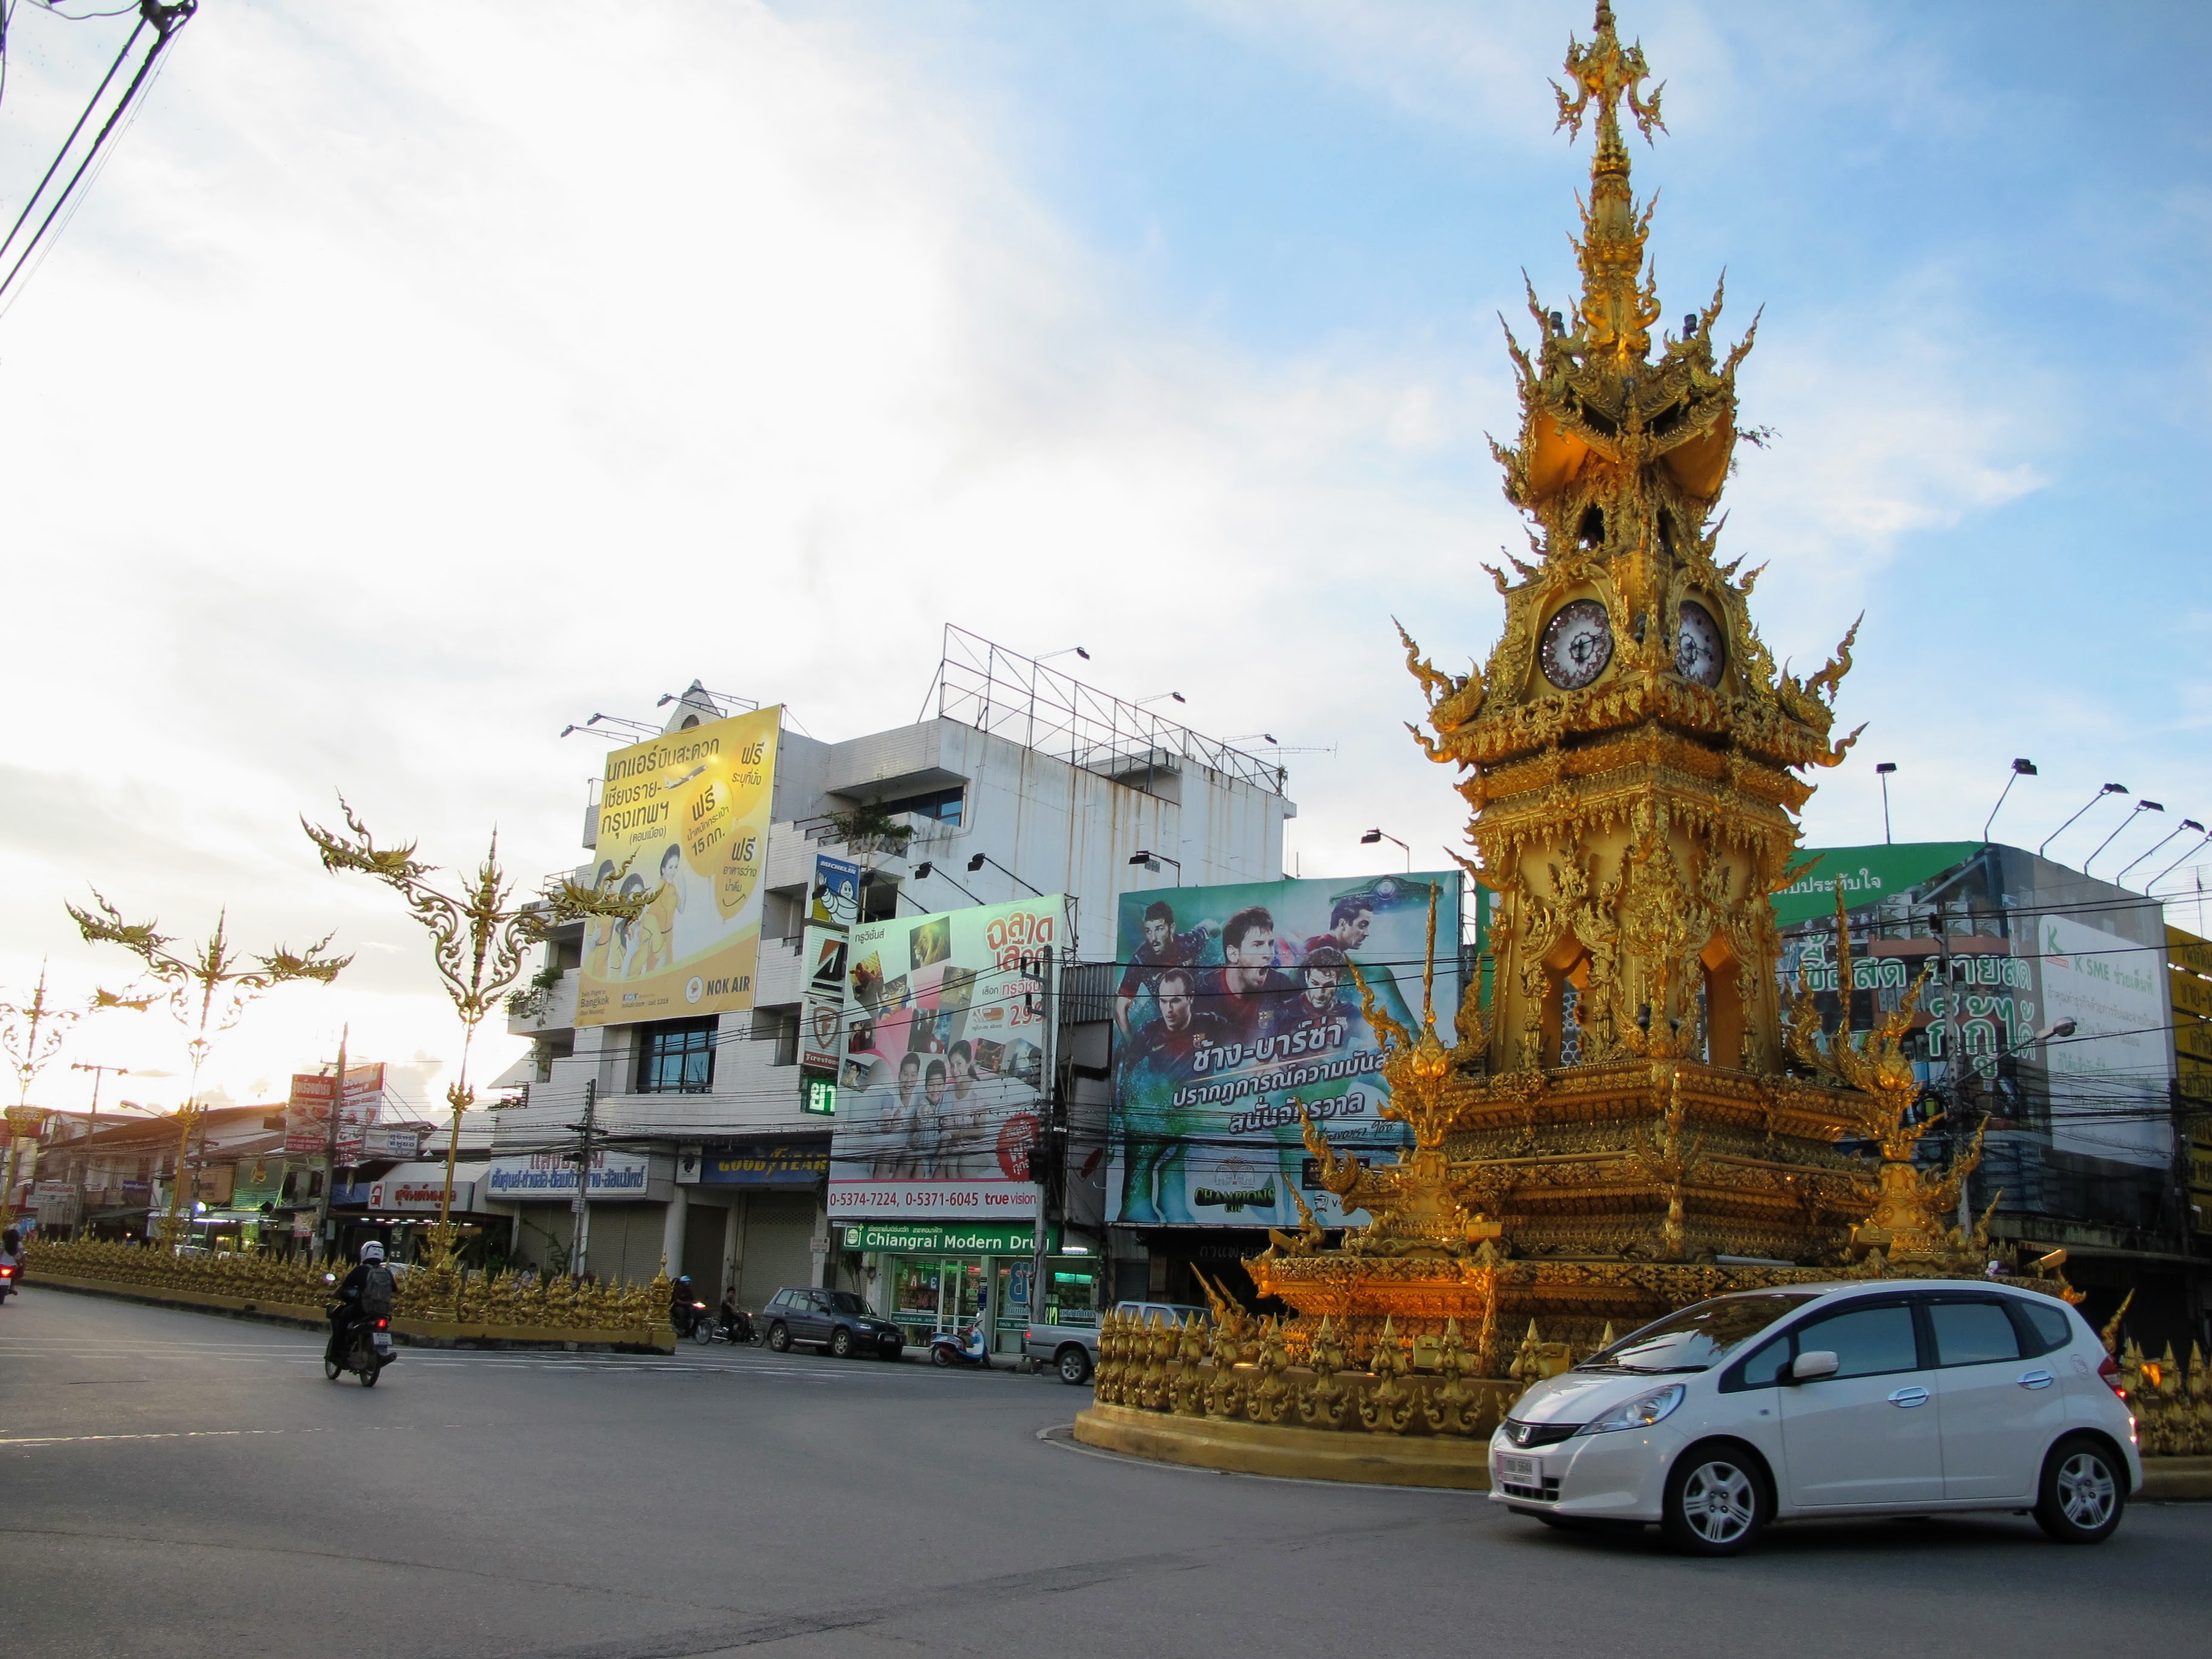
x=681 y=1314
x=735 y=1325
x=347 y=1311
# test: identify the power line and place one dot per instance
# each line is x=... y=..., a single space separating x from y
x=166 y=18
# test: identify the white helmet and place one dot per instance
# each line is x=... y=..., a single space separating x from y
x=372 y=1251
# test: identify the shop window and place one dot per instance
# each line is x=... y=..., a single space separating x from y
x=676 y=1057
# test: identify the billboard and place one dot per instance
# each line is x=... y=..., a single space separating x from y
x=2115 y=992
x=822 y=1016
x=946 y=1068
x=1236 y=1001
x=307 y=1112
x=684 y=818
x=834 y=899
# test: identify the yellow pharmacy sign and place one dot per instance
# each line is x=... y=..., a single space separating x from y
x=684 y=818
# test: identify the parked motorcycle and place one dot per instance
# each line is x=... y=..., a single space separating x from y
x=368 y=1351
x=737 y=1331
x=966 y=1347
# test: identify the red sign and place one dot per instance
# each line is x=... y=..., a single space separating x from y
x=307 y=1114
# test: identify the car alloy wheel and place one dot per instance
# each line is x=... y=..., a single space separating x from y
x=2081 y=1496
x=1074 y=1367
x=1716 y=1504
x=841 y=1343
x=779 y=1338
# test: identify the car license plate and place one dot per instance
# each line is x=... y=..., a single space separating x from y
x=1521 y=1471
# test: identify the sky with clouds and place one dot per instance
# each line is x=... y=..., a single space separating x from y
x=418 y=378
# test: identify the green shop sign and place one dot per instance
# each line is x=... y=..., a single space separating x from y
x=934 y=1238
x=1869 y=874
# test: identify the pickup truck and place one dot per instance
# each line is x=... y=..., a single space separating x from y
x=1072 y=1350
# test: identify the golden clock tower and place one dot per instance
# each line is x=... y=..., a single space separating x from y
x=1629 y=749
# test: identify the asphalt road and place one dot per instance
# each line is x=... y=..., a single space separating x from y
x=174 y=1484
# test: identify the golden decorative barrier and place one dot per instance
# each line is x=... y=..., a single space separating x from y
x=2173 y=1408
x=432 y=1296
x=1271 y=1372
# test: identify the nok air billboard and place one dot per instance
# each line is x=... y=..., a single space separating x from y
x=1234 y=1006
x=683 y=817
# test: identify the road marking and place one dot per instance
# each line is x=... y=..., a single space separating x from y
x=173 y=1434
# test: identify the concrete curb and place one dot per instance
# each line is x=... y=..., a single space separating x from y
x=1377 y=1460
x=1410 y=1459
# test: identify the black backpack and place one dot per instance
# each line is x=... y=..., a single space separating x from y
x=376 y=1289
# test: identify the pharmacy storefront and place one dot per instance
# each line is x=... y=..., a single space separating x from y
x=941 y=1276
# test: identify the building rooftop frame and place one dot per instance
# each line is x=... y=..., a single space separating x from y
x=984 y=685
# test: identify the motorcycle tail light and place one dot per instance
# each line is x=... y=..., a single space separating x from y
x=2109 y=1368
x=382 y=1323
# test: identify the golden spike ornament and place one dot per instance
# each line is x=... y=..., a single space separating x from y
x=478 y=939
x=211 y=985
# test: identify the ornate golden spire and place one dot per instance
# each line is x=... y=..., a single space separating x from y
x=1618 y=304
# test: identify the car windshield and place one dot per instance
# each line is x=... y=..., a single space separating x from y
x=1697 y=1337
x=845 y=1302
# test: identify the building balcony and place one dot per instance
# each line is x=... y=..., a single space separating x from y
x=536 y=1009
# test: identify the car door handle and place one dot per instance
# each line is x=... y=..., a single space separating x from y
x=2036 y=1379
x=1909 y=1397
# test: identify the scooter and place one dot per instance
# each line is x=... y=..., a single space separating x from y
x=963 y=1348
x=368 y=1347
x=368 y=1351
x=7 y=1279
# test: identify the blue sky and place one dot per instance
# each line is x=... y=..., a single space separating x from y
x=413 y=383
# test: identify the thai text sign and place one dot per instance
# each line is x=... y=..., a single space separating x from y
x=307 y=1112
x=925 y=1238
x=685 y=819
x=551 y=1175
x=1236 y=1005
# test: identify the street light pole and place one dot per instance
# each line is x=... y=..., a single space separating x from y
x=1882 y=771
x=1373 y=837
x=1151 y=861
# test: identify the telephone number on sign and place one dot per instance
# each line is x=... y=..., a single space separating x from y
x=912 y=1198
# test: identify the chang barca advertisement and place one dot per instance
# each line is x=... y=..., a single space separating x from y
x=1235 y=1005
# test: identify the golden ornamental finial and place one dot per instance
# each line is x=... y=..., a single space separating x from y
x=1618 y=301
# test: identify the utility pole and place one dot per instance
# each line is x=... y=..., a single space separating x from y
x=580 y=1205
x=91 y=1129
x=1048 y=1146
x=331 y=1145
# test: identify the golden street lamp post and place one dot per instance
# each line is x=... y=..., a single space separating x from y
x=477 y=942
x=31 y=1037
x=211 y=987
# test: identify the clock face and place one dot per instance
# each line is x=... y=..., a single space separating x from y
x=1700 y=652
x=1578 y=645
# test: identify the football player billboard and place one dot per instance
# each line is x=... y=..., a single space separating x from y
x=1237 y=1004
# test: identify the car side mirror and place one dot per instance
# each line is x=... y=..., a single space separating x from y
x=1815 y=1363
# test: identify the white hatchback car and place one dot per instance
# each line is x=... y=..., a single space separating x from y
x=1830 y=1400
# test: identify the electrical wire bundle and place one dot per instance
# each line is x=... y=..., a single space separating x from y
x=159 y=23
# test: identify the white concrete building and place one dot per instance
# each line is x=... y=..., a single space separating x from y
x=1019 y=778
